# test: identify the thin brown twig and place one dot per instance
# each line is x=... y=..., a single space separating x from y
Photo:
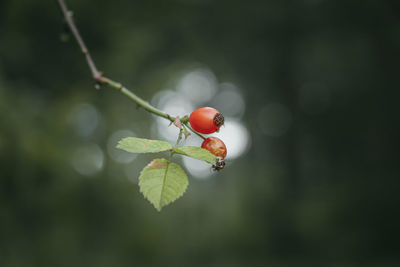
x=68 y=17
x=98 y=76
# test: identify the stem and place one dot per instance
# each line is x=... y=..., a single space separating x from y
x=179 y=137
x=68 y=17
x=142 y=103
x=98 y=76
x=190 y=128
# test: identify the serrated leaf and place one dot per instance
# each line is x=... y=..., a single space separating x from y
x=197 y=153
x=140 y=145
x=162 y=182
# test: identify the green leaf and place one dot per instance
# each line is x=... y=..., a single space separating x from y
x=162 y=182
x=140 y=145
x=197 y=153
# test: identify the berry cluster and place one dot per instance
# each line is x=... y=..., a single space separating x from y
x=208 y=120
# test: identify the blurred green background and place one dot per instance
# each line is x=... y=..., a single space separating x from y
x=313 y=86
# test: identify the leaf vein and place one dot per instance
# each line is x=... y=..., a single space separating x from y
x=163 y=184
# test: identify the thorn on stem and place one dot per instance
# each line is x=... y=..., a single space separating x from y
x=177 y=122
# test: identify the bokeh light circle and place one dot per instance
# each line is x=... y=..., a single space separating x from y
x=174 y=104
x=229 y=101
x=235 y=136
x=87 y=159
x=84 y=118
x=199 y=85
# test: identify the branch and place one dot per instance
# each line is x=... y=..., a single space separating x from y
x=98 y=76
x=68 y=17
x=142 y=103
x=193 y=130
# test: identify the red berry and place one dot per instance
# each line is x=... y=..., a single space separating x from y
x=215 y=146
x=206 y=120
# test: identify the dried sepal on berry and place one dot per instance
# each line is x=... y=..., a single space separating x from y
x=219 y=164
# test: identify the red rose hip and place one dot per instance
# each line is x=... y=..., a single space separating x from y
x=215 y=146
x=206 y=120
